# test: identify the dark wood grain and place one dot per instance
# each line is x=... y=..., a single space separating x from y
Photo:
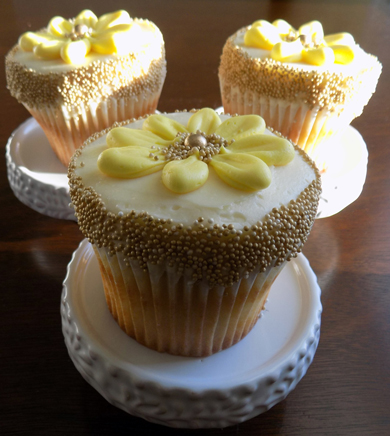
x=346 y=390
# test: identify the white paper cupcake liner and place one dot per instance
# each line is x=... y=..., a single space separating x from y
x=169 y=312
x=66 y=131
x=310 y=128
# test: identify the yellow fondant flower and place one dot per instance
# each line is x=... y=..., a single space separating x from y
x=307 y=44
x=72 y=40
x=237 y=149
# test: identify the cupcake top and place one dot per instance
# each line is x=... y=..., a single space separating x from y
x=85 y=57
x=185 y=182
x=237 y=177
x=307 y=47
x=67 y=44
x=277 y=60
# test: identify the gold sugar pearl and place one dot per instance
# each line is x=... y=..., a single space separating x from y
x=80 y=30
x=195 y=140
x=188 y=144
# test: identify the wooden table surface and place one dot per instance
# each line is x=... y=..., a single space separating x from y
x=346 y=390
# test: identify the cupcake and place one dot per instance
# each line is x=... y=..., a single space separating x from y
x=79 y=76
x=192 y=215
x=306 y=85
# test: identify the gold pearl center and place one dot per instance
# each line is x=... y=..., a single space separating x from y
x=79 y=31
x=195 y=140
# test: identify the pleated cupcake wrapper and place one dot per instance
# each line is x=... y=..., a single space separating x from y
x=310 y=128
x=169 y=312
x=66 y=131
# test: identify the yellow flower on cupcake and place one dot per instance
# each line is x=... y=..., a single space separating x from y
x=237 y=149
x=72 y=40
x=308 y=44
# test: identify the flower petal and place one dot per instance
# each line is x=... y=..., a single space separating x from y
x=205 y=120
x=271 y=149
x=242 y=171
x=344 y=54
x=115 y=29
x=103 y=44
x=86 y=17
x=262 y=34
x=49 y=49
x=163 y=126
x=128 y=162
x=343 y=38
x=187 y=175
x=112 y=19
x=121 y=39
x=239 y=127
x=287 y=51
x=313 y=29
x=122 y=137
x=74 y=52
x=59 y=26
x=284 y=28
x=319 y=56
x=29 y=40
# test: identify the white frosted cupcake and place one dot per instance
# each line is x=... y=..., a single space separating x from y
x=305 y=85
x=78 y=76
x=192 y=216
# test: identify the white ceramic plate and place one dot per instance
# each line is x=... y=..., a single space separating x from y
x=38 y=179
x=36 y=176
x=343 y=181
x=217 y=391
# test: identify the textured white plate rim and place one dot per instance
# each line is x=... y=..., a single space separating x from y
x=15 y=150
x=45 y=191
x=80 y=260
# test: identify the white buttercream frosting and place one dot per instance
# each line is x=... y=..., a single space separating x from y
x=215 y=200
